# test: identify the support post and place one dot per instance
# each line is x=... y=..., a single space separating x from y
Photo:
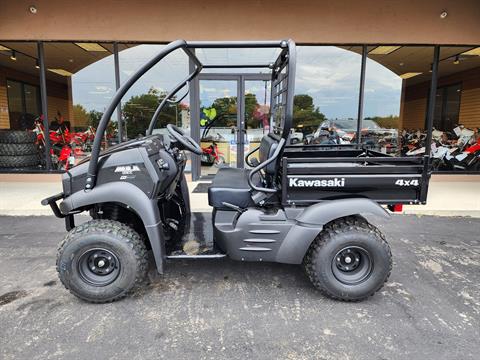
x=43 y=96
x=117 y=86
x=361 y=94
x=431 y=101
x=429 y=126
x=194 y=92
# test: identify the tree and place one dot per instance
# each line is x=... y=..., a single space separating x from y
x=305 y=114
x=303 y=101
x=80 y=115
x=252 y=117
x=138 y=111
x=226 y=111
x=84 y=118
x=94 y=117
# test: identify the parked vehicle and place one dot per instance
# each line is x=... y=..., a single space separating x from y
x=343 y=131
x=449 y=151
x=294 y=205
x=212 y=156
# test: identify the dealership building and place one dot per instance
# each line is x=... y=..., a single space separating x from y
x=357 y=61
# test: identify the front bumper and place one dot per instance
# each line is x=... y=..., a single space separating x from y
x=52 y=201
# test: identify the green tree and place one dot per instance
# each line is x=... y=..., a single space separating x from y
x=94 y=117
x=226 y=108
x=251 y=104
x=138 y=111
x=80 y=115
x=305 y=114
x=303 y=101
x=85 y=118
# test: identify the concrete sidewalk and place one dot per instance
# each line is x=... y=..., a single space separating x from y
x=448 y=195
x=23 y=198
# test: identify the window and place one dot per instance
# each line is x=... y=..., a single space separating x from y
x=141 y=101
x=80 y=84
x=447 y=107
x=326 y=94
x=23 y=104
x=397 y=80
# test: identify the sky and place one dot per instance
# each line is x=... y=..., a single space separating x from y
x=329 y=74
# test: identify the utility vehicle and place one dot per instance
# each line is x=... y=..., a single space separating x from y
x=294 y=204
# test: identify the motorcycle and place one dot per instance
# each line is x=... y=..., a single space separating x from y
x=64 y=145
x=462 y=153
x=211 y=155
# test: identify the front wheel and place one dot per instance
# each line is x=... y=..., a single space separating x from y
x=102 y=261
x=349 y=260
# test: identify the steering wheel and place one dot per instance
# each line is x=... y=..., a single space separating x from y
x=184 y=139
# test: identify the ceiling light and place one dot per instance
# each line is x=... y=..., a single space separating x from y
x=383 y=50
x=37 y=65
x=474 y=51
x=457 y=60
x=409 y=75
x=91 y=46
x=3 y=48
x=13 y=56
x=443 y=14
x=61 y=72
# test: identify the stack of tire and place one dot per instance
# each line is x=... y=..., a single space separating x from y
x=18 y=150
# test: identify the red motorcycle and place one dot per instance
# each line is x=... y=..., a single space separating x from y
x=65 y=146
x=212 y=156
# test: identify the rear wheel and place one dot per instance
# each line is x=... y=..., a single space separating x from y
x=350 y=260
x=102 y=261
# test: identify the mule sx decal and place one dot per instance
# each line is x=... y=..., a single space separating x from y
x=127 y=170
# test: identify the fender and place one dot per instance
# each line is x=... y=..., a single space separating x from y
x=128 y=195
x=326 y=211
x=310 y=222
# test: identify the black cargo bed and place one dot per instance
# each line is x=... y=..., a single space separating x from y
x=314 y=173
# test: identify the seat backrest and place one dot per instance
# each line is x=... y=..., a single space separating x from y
x=268 y=145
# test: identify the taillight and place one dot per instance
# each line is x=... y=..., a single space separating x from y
x=395 y=207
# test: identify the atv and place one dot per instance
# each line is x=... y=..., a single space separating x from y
x=293 y=205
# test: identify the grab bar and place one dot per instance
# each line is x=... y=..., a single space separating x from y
x=264 y=164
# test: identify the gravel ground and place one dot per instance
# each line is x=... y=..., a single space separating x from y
x=220 y=309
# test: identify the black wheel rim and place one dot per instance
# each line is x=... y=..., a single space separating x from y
x=352 y=265
x=98 y=267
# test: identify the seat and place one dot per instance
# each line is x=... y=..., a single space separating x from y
x=230 y=185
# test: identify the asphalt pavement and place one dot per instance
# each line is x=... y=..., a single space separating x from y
x=220 y=309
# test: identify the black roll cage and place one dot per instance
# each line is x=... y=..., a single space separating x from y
x=283 y=82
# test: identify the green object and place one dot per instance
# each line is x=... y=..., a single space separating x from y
x=210 y=113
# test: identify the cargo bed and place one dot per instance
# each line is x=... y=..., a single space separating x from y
x=314 y=173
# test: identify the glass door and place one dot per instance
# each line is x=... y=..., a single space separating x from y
x=234 y=115
x=257 y=113
x=219 y=124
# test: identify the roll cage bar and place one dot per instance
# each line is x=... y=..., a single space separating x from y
x=282 y=89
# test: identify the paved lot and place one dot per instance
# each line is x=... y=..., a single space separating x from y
x=222 y=309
